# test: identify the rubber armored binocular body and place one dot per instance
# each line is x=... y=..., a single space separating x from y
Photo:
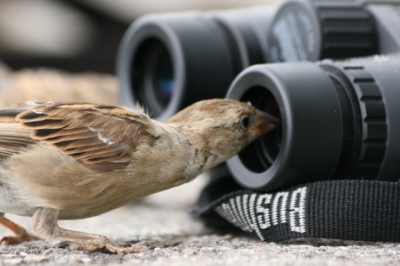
x=340 y=120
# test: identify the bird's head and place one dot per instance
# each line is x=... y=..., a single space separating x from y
x=225 y=126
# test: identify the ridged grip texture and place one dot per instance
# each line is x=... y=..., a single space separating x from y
x=347 y=30
x=373 y=116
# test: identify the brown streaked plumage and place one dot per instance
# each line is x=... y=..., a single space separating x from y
x=77 y=160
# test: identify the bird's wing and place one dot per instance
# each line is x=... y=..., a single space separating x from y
x=101 y=137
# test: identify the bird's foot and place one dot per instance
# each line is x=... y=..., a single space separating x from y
x=12 y=240
x=21 y=235
x=103 y=244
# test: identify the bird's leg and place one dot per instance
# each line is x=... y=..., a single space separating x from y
x=45 y=224
x=21 y=235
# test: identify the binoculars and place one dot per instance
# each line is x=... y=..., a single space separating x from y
x=340 y=118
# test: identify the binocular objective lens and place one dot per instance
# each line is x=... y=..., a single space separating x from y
x=153 y=76
x=164 y=79
x=261 y=154
x=273 y=140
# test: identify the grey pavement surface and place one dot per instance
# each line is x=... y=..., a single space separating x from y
x=161 y=222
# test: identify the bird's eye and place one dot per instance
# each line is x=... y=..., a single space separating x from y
x=244 y=121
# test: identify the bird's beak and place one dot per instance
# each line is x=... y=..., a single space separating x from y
x=264 y=123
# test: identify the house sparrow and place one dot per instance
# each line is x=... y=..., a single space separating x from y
x=77 y=160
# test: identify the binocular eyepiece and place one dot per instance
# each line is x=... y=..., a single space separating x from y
x=167 y=62
x=339 y=121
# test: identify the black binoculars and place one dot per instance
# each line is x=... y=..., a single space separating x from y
x=340 y=119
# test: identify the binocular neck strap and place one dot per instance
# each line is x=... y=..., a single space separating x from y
x=358 y=210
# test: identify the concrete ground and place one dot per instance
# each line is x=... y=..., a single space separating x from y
x=161 y=222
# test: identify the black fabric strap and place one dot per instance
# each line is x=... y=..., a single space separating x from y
x=341 y=209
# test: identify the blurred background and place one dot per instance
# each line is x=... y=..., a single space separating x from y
x=80 y=35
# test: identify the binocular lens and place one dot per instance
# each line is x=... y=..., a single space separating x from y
x=164 y=78
x=273 y=142
x=154 y=76
x=261 y=154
